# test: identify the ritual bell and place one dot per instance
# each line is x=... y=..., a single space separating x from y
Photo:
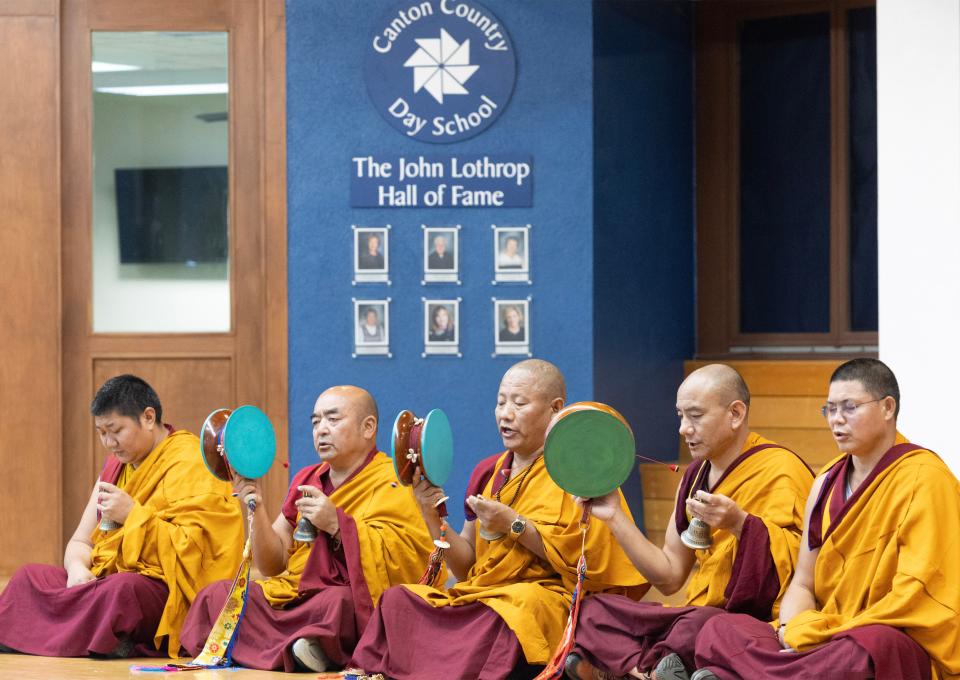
x=697 y=535
x=305 y=531
x=108 y=524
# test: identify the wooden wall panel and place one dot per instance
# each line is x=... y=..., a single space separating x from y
x=29 y=287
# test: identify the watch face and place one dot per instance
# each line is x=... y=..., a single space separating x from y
x=518 y=526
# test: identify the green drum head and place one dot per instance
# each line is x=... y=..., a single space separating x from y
x=589 y=453
x=436 y=445
x=249 y=442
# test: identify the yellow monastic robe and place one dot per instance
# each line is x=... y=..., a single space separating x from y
x=394 y=544
x=893 y=559
x=533 y=596
x=185 y=529
x=772 y=485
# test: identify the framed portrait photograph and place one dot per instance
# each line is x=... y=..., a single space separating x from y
x=511 y=253
x=441 y=254
x=441 y=326
x=371 y=326
x=511 y=326
x=371 y=254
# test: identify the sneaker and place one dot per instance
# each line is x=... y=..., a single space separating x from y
x=704 y=674
x=578 y=668
x=308 y=653
x=124 y=648
x=671 y=668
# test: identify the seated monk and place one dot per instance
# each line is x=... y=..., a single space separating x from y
x=876 y=593
x=311 y=610
x=515 y=559
x=750 y=491
x=125 y=591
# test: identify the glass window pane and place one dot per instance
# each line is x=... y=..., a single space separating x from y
x=160 y=187
x=785 y=175
x=862 y=25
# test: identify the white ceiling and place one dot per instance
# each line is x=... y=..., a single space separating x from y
x=171 y=58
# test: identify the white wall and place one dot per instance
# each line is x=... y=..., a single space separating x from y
x=148 y=132
x=918 y=70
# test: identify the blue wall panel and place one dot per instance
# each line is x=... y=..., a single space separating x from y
x=330 y=120
x=643 y=215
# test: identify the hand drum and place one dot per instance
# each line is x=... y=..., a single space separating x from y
x=426 y=443
x=240 y=441
x=589 y=449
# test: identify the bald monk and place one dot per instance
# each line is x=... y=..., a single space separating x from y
x=311 y=610
x=125 y=591
x=514 y=559
x=750 y=491
x=877 y=587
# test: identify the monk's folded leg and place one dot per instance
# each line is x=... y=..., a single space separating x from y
x=895 y=655
x=620 y=635
x=202 y=615
x=119 y=612
x=267 y=634
x=737 y=646
x=417 y=641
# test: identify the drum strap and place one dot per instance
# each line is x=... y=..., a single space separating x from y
x=554 y=668
x=217 y=649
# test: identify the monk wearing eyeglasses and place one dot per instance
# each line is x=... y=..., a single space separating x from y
x=750 y=491
x=876 y=593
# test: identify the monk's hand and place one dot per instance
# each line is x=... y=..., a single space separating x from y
x=494 y=516
x=247 y=490
x=604 y=508
x=78 y=574
x=318 y=509
x=783 y=643
x=113 y=502
x=428 y=496
x=717 y=510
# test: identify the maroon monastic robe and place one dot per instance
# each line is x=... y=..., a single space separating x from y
x=619 y=635
x=333 y=599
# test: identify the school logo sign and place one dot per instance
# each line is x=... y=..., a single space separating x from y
x=440 y=70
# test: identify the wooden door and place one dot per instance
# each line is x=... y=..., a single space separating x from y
x=194 y=373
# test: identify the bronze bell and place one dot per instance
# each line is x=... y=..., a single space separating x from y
x=108 y=524
x=697 y=535
x=305 y=531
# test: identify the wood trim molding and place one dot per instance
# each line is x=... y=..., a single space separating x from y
x=29 y=8
x=274 y=200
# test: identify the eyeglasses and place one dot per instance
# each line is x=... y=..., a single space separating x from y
x=848 y=407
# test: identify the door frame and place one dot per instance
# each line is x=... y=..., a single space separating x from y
x=256 y=345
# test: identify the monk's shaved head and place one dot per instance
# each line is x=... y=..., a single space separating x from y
x=358 y=398
x=547 y=377
x=722 y=381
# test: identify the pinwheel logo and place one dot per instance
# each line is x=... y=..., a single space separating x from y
x=441 y=66
x=440 y=70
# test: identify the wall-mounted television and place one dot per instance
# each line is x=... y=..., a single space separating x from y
x=172 y=214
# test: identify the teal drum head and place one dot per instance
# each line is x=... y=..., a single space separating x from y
x=249 y=442
x=589 y=451
x=436 y=444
